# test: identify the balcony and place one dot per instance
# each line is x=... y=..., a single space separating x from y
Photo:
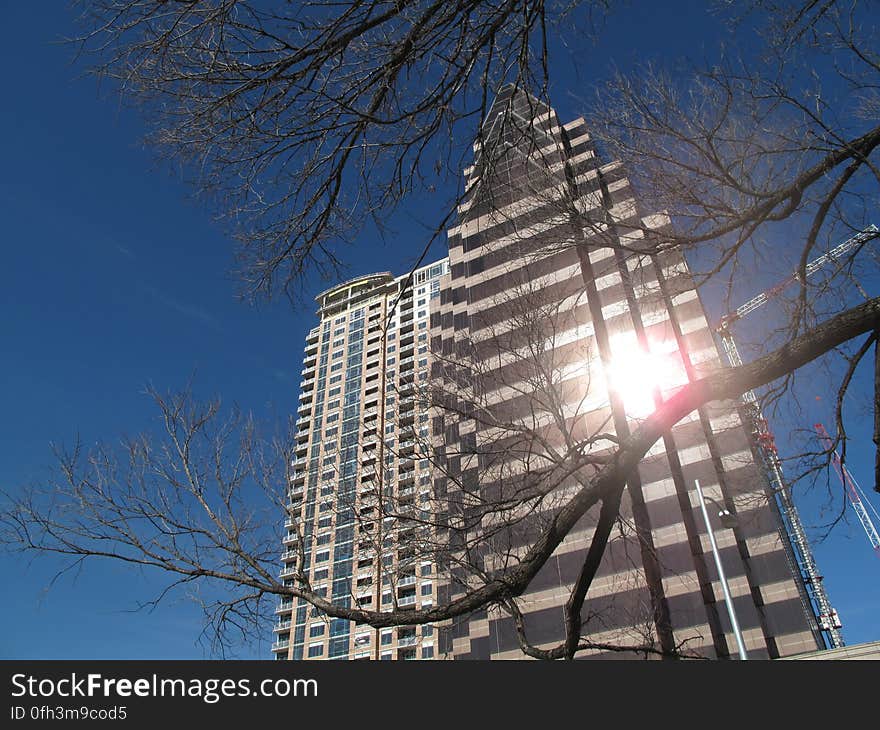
x=406 y=447
x=406 y=601
x=406 y=581
x=283 y=625
x=407 y=640
x=281 y=645
x=284 y=607
x=288 y=571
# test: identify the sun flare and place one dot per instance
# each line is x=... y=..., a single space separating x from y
x=635 y=373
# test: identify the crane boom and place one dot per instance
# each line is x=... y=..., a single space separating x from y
x=811 y=268
x=852 y=488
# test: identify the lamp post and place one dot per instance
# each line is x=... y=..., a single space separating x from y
x=727 y=520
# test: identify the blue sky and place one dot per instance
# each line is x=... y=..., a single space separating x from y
x=112 y=277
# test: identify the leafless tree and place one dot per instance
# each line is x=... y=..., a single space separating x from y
x=764 y=163
x=309 y=118
x=202 y=503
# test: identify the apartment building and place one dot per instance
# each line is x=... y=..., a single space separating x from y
x=360 y=469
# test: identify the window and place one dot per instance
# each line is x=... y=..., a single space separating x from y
x=336 y=366
x=322 y=557
x=316 y=650
x=335 y=379
x=390 y=361
x=427 y=630
x=391 y=348
x=330 y=432
x=389 y=428
x=427 y=589
x=325 y=540
x=386 y=656
x=333 y=404
x=387 y=638
x=325 y=522
x=426 y=569
x=334 y=391
x=337 y=354
x=316 y=630
x=427 y=652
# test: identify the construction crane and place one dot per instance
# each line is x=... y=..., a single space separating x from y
x=801 y=555
x=854 y=491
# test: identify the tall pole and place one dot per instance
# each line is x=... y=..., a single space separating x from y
x=724 y=587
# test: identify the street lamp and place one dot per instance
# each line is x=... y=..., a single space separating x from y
x=727 y=520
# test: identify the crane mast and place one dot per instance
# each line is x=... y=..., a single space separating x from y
x=801 y=555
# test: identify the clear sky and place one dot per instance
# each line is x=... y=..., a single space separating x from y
x=112 y=278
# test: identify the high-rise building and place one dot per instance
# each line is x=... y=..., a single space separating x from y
x=464 y=395
x=360 y=469
x=570 y=317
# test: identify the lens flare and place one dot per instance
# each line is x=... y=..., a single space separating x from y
x=635 y=372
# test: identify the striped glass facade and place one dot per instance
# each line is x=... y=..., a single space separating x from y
x=548 y=229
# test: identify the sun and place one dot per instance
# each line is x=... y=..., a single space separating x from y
x=636 y=372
